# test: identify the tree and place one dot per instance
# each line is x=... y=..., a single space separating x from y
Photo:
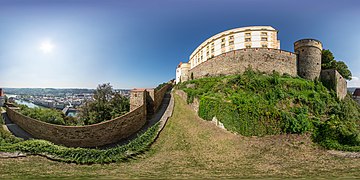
x=328 y=62
x=106 y=105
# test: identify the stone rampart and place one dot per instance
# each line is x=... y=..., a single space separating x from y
x=95 y=135
x=332 y=79
x=236 y=62
x=159 y=96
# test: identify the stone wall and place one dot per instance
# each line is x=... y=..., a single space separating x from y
x=236 y=62
x=309 y=58
x=159 y=96
x=95 y=135
x=137 y=98
x=194 y=105
x=333 y=80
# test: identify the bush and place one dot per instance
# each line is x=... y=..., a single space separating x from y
x=80 y=155
x=106 y=105
x=257 y=104
x=43 y=114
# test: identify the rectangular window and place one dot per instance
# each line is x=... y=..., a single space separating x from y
x=231 y=37
x=248 y=46
x=212 y=44
x=222 y=45
x=247 y=39
x=223 y=40
x=247 y=34
x=231 y=42
x=264 y=33
x=212 y=50
x=263 y=38
x=264 y=46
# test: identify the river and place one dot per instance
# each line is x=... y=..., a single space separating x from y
x=27 y=103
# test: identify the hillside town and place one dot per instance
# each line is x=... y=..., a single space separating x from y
x=68 y=101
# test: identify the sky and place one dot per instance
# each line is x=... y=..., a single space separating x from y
x=139 y=43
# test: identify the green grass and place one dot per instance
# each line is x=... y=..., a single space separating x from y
x=255 y=104
x=190 y=148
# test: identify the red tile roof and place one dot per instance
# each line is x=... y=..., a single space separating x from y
x=357 y=92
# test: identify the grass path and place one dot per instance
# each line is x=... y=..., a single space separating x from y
x=190 y=147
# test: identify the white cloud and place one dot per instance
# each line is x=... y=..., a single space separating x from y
x=355 y=82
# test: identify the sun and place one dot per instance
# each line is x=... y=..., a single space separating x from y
x=47 y=47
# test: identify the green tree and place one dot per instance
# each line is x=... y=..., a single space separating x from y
x=106 y=105
x=328 y=62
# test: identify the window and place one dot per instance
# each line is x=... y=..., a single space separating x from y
x=247 y=34
x=247 y=39
x=222 y=45
x=248 y=46
x=264 y=39
x=264 y=33
x=231 y=43
x=264 y=46
x=212 y=50
x=207 y=53
x=223 y=40
x=212 y=44
x=231 y=37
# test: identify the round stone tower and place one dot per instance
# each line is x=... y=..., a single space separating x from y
x=308 y=58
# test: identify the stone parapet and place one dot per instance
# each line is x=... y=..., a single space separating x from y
x=95 y=135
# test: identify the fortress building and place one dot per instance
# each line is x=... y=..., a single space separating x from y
x=257 y=47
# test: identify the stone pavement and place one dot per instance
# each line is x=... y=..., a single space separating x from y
x=13 y=128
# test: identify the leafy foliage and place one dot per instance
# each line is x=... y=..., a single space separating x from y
x=328 y=62
x=80 y=155
x=47 y=115
x=106 y=105
x=258 y=104
x=160 y=86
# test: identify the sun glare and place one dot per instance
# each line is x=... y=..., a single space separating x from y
x=47 y=47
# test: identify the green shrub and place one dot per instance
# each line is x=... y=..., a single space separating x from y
x=80 y=155
x=257 y=104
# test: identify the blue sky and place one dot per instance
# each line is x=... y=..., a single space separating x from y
x=139 y=43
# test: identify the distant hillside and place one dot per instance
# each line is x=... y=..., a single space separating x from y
x=254 y=104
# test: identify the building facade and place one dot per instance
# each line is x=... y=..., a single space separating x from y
x=234 y=39
x=257 y=48
x=182 y=72
x=2 y=97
